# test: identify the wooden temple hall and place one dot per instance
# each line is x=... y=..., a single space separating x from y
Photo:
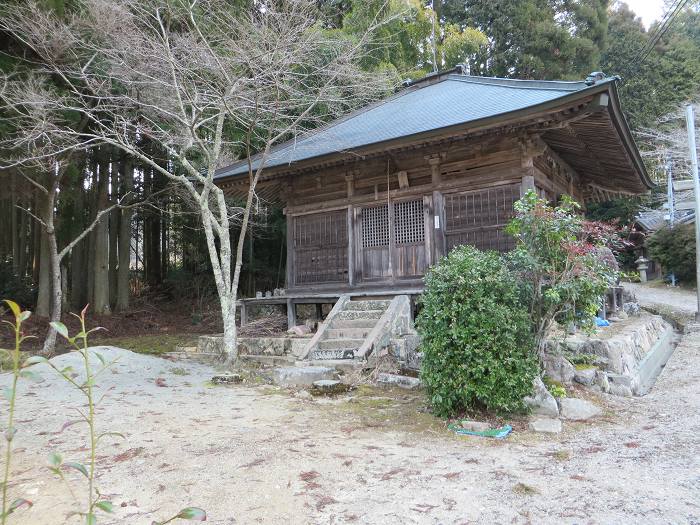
x=375 y=198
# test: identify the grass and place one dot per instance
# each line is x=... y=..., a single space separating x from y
x=150 y=344
x=524 y=490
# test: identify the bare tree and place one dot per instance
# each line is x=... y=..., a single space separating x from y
x=205 y=81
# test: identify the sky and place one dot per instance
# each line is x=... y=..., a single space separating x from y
x=648 y=10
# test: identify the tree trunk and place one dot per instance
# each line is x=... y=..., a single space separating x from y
x=57 y=289
x=101 y=268
x=113 y=255
x=78 y=256
x=125 y=215
x=43 y=302
x=22 y=243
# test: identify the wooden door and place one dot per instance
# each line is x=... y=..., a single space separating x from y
x=409 y=248
x=392 y=239
x=374 y=249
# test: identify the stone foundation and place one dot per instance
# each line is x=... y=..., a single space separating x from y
x=620 y=359
x=266 y=346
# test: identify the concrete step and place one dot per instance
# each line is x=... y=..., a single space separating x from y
x=366 y=305
x=332 y=344
x=359 y=314
x=342 y=324
x=269 y=360
x=348 y=333
x=344 y=366
x=336 y=353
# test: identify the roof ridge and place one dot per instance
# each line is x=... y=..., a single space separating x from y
x=518 y=83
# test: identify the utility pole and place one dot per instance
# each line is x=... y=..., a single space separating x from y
x=690 y=121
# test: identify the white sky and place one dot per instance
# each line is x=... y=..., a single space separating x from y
x=649 y=10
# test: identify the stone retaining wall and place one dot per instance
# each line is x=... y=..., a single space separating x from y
x=269 y=346
x=618 y=354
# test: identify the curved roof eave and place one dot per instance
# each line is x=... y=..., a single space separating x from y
x=606 y=85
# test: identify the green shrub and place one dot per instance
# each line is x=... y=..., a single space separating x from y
x=563 y=263
x=674 y=249
x=478 y=351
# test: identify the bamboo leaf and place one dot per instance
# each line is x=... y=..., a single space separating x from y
x=16 y=310
x=55 y=459
x=60 y=328
x=105 y=506
x=77 y=466
x=33 y=360
x=192 y=514
x=31 y=375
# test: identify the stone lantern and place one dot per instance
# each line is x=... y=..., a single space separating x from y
x=642 y=266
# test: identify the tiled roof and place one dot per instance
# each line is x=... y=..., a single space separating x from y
x=451 y=100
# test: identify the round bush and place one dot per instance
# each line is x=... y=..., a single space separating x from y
x=476 y=341
x=674 y=249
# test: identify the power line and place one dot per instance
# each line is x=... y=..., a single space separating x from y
x=652 y=36
x=662 y=29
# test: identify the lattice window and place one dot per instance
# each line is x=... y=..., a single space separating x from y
x=321 y=248
x=478 y=217
x=375 y=226
x=409 y=222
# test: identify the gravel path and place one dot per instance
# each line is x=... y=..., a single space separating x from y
x=259 y=455
x=680 y=300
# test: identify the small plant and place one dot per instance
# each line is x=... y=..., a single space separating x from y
x=189 y=513
x=555 y=388
x=79 y=342
x=477 y=347
x=11 y=394
x=585 y=360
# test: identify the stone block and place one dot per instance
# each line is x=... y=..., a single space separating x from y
x=302 y=375
x=329 y=387
x=559 y=369
x=397 y=380
x=301 y=329
x=631 y=308
x=541 y=402
x=585 y=376
x=545 y=425
x=620 y=390
x=578 y=409
x=227 y=379
x=262 y=345
x=210 y=344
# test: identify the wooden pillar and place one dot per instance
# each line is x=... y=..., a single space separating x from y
x=244 y=313
x=350 y=181
x=531 y=147
x=291 y=313
x=437 y=217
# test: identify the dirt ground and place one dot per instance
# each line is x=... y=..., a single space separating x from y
x=255 y=454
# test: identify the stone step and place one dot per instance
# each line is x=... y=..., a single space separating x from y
x=366 y=305
x=348 y=333
x=269 y=360
x=360 y=314
x=344 y=366
x=342 y=324
x=336 y=353
x=331 y=344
